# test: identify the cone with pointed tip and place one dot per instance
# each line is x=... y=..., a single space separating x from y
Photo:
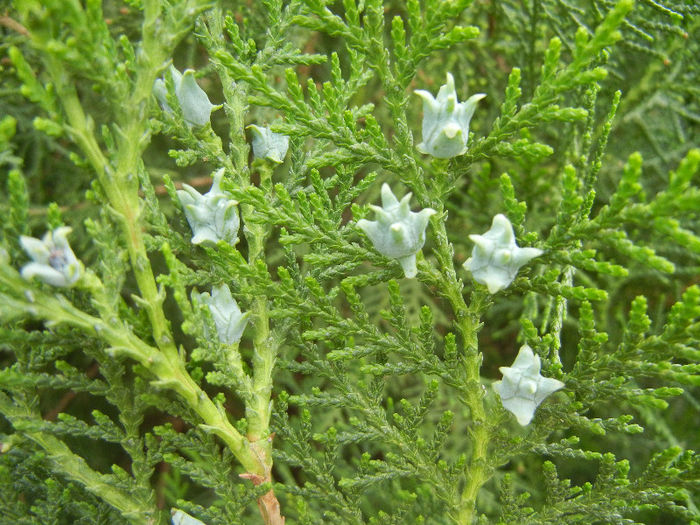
x=269 y=145
x=398 y=232
x=213 y=216
x=446 y=121
x=229 y=320
x=496 y=258
x=194 y=102
x=53 y=261
x=523 y=388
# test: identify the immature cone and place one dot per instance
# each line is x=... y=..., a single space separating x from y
x=446 y=121
x=229 y=320
x=182 y=518
x=398 y=232
x=496 y=258
x=194 y=102
x=53 y=260
x=213 y=216
x=523 y=388
x=268 y=144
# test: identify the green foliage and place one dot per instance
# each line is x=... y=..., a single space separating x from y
x=355 y=395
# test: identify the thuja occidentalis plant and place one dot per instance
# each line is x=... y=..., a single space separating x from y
x=416 y=262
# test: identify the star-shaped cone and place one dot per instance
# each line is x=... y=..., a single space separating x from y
x=446 y=121
x=213 y=216
x=53 y=261
x=496 y=258
x=398 y=232
x=523 y=388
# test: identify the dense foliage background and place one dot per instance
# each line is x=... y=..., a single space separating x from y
x=584 y=140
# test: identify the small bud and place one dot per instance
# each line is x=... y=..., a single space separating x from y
x=446 y=121
x=496 y=258
x=398 y=232
x=53 y=260
x=213 y=216
x=269 y=145
x=523 y=388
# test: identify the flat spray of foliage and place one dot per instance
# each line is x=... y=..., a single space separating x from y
x=355 y=394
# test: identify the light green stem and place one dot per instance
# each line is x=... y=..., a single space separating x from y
x=265 y=354
x=264 y=345
x=476 y=473
x=117 y=173
x=119 y=180
x=265 y=348
x=468 y=323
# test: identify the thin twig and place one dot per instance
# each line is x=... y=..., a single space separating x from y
x=14 y=25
